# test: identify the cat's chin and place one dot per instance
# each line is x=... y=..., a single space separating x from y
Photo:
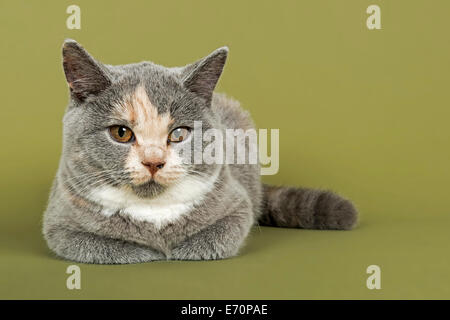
x=149 y=189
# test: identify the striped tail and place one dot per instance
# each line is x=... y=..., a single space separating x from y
x=306 y=208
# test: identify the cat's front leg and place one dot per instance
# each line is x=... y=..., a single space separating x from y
x=221 y=240
x=89 y=248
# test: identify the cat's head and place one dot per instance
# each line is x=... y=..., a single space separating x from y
x=126 y=125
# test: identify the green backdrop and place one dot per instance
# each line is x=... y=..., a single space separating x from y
x=362 y=112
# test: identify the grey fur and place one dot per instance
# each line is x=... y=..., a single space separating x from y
x=215 y=228
x=306 y=208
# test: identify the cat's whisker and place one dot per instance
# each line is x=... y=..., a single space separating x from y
x=85 y=177
x=87 y=181
x=88 y=174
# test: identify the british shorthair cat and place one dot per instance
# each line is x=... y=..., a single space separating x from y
x=127 y=188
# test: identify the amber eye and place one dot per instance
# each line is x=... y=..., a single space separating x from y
x=121 y=133
x=178 y=134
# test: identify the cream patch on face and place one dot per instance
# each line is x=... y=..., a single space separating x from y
x=151 y=132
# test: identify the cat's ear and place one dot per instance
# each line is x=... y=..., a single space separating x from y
x=201 y=77
x=84 y=75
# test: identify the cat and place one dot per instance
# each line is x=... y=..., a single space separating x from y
x=125 y=193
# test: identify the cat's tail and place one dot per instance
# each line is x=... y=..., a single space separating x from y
x=306 y=208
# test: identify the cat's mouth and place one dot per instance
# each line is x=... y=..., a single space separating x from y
x=148 y=189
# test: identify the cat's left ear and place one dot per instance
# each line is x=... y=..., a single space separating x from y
x=84 y=75
x=201 y=77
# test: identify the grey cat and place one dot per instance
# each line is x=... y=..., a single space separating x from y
x=126 y=193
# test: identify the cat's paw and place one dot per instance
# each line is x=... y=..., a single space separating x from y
x=89 y=248
x=205 y=251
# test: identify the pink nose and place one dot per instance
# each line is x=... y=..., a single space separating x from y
x=154 y=166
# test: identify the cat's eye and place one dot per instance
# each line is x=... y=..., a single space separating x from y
x=121 y=133
x=178 y=134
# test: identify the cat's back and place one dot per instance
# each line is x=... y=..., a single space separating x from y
x=230 y=112
x=233 y=116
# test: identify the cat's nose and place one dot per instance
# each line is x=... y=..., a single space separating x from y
x=153 y=166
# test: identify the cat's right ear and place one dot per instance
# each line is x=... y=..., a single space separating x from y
x=84 y=75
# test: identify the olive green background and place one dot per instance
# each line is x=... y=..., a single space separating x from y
x=365 y=113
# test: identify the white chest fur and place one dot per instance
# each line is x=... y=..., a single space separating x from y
x=176 y=201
